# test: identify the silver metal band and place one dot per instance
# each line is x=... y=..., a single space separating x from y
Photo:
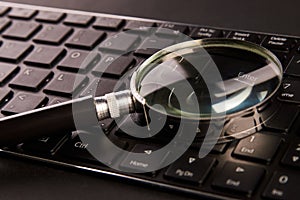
x=114 y=104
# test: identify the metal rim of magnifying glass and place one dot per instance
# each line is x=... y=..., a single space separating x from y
x=187 y=47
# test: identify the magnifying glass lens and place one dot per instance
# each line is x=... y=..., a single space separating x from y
x=208 y=80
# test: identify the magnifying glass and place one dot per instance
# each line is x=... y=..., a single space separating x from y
x=198 y=81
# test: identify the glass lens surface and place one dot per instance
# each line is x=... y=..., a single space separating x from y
x=180 y=79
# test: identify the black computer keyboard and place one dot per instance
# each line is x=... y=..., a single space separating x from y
x=41 y=53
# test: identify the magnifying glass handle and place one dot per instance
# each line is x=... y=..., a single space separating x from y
x=58 y=119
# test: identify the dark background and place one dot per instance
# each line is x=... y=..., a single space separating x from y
x=260 y=15
x=22 y=179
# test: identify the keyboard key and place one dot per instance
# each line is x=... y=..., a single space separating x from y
x=7 y=71
x=290 y=90
x=191 y=169
x=78 y=20
x=278 y=43
x=65 y=84
x=96 y=88
x=20 y=30
x=108 y=23
x=250 y=37
x=240 y=127
x=57 y=100
x=49 y=16
x=292 y=156
x=254 y=147
x=237 y=177
x=172 y=30
x=3 y=10
x=45 y=145
x=151 y=45
x=77 y=149
x=139 y=26
x=45 y=56
x=120 y=43
x=79 y=61
x=283 y=185
x=199 y=33
x=113 y=65
x=85 y=39
x=5 y=95
x=24 y=102
x=14 y=51
x=4 y=23
x=293 y=68
x=142 y=163
x=53 y=34
x=22 y=13
x=31 y=79
x=283 y=118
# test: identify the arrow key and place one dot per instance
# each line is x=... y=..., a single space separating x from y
x=292 y=156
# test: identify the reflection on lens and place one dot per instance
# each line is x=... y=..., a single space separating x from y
x=249 y=78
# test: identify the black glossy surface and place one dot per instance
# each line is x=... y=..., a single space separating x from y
x=26 y=180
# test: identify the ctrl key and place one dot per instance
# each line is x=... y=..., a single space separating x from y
x=283 y=186
x=80 y=150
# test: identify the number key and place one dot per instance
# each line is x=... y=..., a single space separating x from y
x=122 y=42
x=49 y=16
x=78 y=20
x=253 y=147
x=283 y=185
x=22 y=13
x=21 y=30
x=85 y=39
x=53 y=34
x=107 y=23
